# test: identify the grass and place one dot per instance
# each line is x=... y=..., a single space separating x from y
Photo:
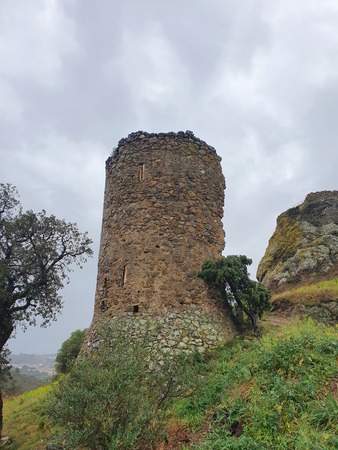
x=310 y=295
x=25 y=422
x=276 y=393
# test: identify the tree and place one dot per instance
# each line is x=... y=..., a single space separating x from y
x=230 y=278
x=69 y=350
x=37 y=252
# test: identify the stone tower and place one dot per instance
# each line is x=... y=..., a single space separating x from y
x=163 y=208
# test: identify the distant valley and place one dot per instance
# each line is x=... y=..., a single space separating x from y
x=39 y=366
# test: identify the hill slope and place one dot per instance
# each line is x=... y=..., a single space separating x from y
x=279 y=392
x=25 y=421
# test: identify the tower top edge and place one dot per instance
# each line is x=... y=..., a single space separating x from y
x=139 y=136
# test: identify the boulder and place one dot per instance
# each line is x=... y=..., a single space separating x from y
x=304 y=246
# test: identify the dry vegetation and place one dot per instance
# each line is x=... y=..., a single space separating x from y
x=309 y=295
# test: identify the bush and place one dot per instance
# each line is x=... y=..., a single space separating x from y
x=110 y=399
x=275 y=393
x=229 y=277
x=69 y=351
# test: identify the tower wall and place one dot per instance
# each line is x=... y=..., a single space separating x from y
x=162 y=219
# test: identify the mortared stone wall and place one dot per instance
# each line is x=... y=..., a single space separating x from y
x=162 y=219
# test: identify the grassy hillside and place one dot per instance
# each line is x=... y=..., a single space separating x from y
x=276 y=393
x=24 y=420
x=318 y=300
x=311 y=294
x=19 y=383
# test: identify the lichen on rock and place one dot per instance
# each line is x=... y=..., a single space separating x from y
x=304 y=246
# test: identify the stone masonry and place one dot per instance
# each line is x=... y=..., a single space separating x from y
x=162 y=219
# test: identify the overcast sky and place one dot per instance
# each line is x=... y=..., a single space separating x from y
x=256 y=79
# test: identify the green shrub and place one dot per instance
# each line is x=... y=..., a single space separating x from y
x=229 y=278
x=274 y=393
x=111 y=400
x=69 y=351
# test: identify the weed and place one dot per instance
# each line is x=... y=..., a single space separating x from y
x=271 y=393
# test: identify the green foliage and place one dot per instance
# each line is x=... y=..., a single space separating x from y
x=36 y=254
x=324 y=413
x=4 y=364
x=274 y=393
x=69 y=351
x=111 y=398
x=230 y=278
x=18 y=383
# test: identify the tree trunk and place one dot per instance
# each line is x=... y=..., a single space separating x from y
x=6 y=329
x=235 y=320
x=252 y=316
x=1 y=417
x=254 y=321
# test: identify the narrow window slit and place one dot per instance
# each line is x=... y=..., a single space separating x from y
x=141 y=172
x=124 y=276
x=135 y=309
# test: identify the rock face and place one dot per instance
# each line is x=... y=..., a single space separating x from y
x=304 y=246
x=162 y=215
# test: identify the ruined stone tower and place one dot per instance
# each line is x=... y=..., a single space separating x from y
x=163 y=207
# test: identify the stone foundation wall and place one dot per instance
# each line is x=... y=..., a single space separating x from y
x=173 y=332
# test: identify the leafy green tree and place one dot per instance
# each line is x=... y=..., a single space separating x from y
x=69 y=351
x=230 y=278
x=37 y=253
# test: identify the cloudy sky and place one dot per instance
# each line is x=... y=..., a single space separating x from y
x=256 y=79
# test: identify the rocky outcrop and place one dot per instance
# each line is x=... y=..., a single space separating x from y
x=304 y=246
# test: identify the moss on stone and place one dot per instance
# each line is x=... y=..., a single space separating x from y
x=188 y=147
x=304 y=246
x=282 y=245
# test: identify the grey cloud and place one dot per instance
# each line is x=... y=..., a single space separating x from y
x=255 y=79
